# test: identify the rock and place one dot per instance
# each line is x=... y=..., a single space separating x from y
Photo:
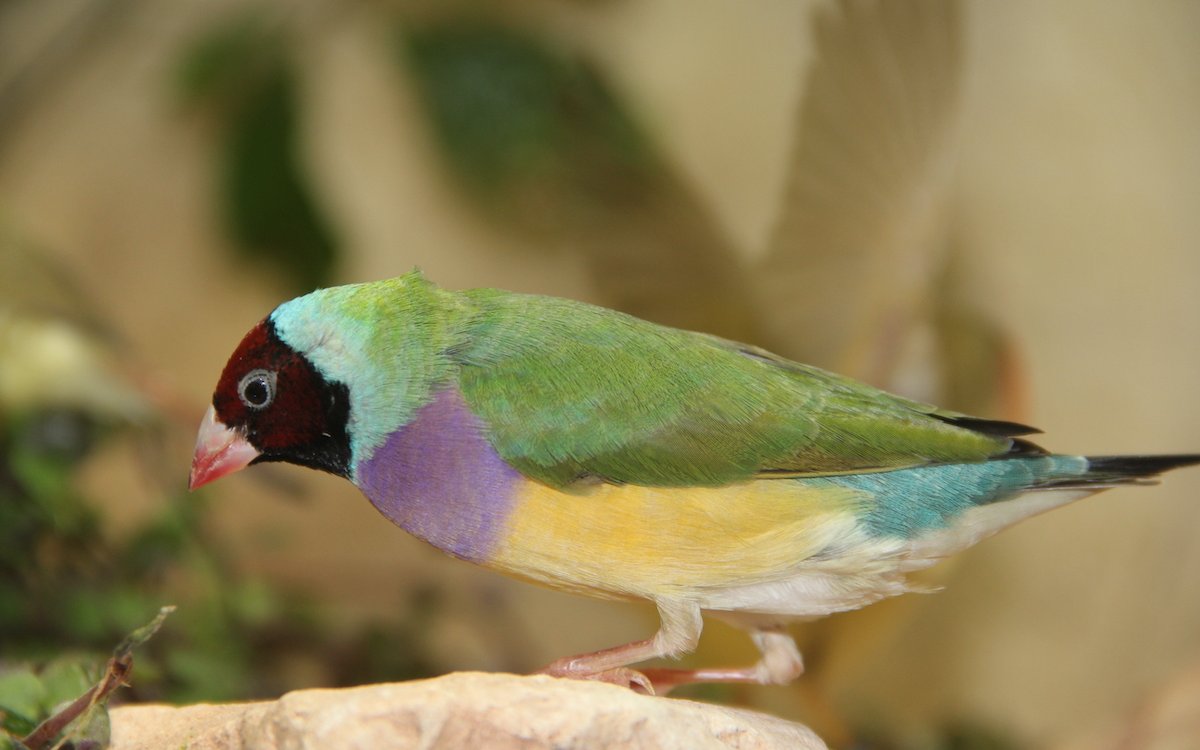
x=462 y=710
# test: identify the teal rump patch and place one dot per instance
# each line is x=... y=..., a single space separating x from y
x=907 y=502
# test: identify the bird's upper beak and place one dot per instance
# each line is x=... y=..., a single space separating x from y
x=219 y=451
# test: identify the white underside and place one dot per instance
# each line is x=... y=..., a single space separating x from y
x=867 y=569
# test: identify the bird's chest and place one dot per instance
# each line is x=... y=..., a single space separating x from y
x=439 y=479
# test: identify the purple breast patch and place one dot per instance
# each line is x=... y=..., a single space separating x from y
x=439 y=479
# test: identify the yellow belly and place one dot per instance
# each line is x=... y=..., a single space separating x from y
x=627 y=541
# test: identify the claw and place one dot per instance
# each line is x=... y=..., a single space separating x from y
x=622 y=676
x=625 y=677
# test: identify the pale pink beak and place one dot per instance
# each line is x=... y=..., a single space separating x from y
x=219 y=451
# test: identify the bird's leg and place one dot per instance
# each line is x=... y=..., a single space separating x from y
x=779 y=665
x=678 y=633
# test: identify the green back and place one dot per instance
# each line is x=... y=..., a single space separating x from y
x=573 y=392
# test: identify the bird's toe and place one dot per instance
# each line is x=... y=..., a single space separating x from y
x=622 y=676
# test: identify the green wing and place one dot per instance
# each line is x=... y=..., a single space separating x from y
x=569 y=391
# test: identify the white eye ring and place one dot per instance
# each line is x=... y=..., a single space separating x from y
x=257 y=389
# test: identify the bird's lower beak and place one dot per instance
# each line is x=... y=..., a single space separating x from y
x=219 y=451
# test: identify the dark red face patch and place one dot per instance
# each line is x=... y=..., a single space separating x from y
x=303 y=419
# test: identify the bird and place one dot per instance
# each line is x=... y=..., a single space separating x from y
x=597 y=453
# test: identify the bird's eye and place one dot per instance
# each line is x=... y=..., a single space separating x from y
x=257 y=389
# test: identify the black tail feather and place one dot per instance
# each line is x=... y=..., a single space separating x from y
x=992 y=427
x=1111 y=471
x=1137 y=467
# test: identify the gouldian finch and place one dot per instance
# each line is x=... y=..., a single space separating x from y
x=597 y=453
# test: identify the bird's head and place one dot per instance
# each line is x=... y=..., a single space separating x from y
x=272 y=404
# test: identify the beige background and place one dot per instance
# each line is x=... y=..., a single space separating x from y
x=1077 y=204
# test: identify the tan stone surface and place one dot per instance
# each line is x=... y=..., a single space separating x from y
x=460 y=710
x=200 y=726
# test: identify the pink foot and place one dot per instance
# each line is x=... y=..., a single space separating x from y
x=622 y=676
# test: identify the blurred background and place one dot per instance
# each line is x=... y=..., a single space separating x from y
x=988 y=205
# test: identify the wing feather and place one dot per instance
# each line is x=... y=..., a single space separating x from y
x=572 y=392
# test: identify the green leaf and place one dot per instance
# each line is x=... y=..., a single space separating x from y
x=240 y=69
x=506 y=107
x=65 y=679
x=92 y=730
x=541 y=142
x=492 y=94
x=8 y=742
x=22 y=696
x=214 y=66
x=267 y=203
x=142 y=634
